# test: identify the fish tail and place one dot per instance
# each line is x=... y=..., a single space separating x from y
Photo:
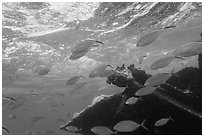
x=168 y=27
x=170 y=118
x=99 y=42
x=140 y=98
x=110 y=66
x=179 y=57
x=142 y=125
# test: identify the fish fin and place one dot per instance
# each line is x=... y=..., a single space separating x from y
x=142 y=125
x=95 y=45
x=110 y=66
x=99 y=42
x=168 y=27
x=178 y=57
x=170 y=118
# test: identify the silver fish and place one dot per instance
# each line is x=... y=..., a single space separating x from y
x=85 y=45
x=162 y=62
x=151 y=37
x=131 y=101
x=75 y=56
x=101 y=130
x=157 y=79
x=72 y=129
x=145 y=91
x=162 y=121
x=128 y=126
x=98 y=70
x=107 y=73
x=73 y=80
x=189 y=49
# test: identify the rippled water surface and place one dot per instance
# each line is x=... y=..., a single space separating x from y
x=43 y=34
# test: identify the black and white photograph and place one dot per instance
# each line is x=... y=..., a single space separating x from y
x=101 y=68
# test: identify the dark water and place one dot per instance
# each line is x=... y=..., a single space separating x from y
x=35 y=34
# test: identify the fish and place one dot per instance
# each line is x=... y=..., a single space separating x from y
x=162 y=121
x=111 y=88
x=151 y=37
x=145 y=91
x=189 y=49
x=73 y=80
x=163 y=62
x=77 y=56
x=5 y=129
x=103 y=87
x=101 y=130
x=132 y=100
x=9 y=98
x=72 y=129
x=157 y=79
x=35 y=119
x=98 y=70
x=128 y=126
x=107 y=73
x=85 y=45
